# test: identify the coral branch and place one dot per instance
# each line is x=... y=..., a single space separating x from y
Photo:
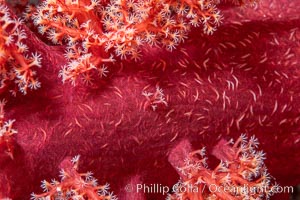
x=6 y=133
x=94 y=30
x=16 y=65
x=241 y=174
x=74 y=185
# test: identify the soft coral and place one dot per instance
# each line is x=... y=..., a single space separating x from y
x=107 y=124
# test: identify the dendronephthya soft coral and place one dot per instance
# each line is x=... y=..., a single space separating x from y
x=144 y=78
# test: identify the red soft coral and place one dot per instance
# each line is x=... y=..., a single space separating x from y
x=241 y=173
x=236 y=80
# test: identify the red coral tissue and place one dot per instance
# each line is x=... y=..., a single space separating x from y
x=133 y=86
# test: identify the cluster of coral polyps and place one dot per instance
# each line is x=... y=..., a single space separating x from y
x=17 y=62
x=73 y=185
x=241 y=173
x=96 y=31
x=6 y=133
x=243 y=78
